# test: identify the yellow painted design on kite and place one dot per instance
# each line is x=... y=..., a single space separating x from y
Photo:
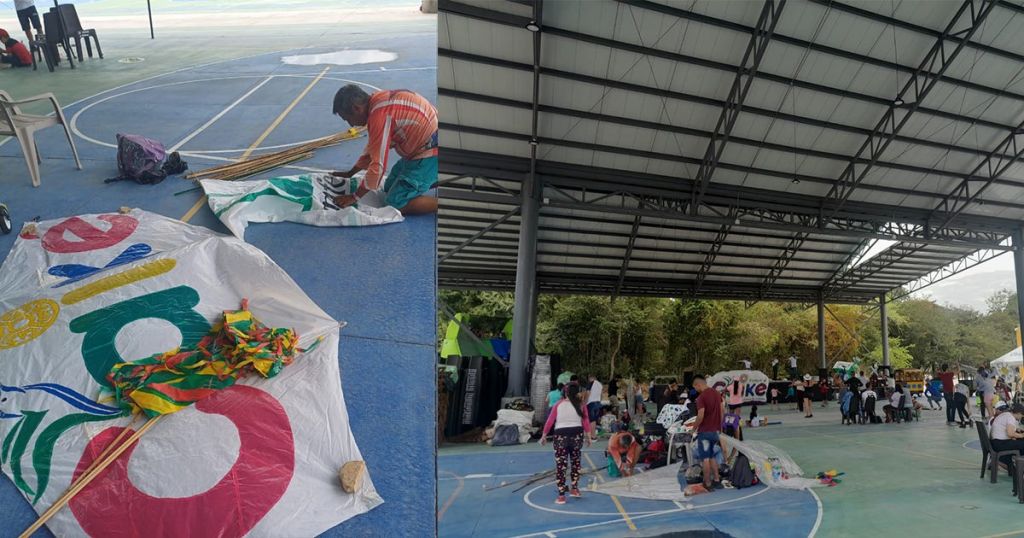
x=124 y=278
x=27 y=322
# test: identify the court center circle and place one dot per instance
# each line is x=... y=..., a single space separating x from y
x=73 y=123
x=676 y=508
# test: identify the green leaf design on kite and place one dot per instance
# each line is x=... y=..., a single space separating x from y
x=43 y=451
x=300 y=192
x=31 y=422
x=10 y=439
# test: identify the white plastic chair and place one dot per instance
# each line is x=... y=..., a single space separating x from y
x=13 y=122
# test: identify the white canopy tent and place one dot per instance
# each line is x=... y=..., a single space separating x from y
x=1009 y=362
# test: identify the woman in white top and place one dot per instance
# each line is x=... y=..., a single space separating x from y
x=569 y=423
x=1005 y=435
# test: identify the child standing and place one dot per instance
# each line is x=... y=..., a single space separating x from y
x=775 y=398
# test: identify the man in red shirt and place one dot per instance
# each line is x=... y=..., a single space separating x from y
x=707 y=425
x=395 y=119
x=14 y=53
x=948 y=389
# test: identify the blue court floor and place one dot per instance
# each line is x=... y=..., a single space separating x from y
x=469 y=507
x=380 y=280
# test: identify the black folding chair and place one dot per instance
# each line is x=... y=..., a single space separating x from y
x=41 y=51
x=55 y=37
x=989 y=457
x=74 y=30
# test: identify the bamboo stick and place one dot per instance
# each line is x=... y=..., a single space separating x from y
x=88 y=477
x=106 y=451
x=239 y=169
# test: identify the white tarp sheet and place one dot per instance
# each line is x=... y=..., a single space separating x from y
x=666 y=484
x=306 y=199
x=260 y=458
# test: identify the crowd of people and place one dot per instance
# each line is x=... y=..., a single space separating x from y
x=578 y=412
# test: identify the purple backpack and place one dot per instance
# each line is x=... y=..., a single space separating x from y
x=140 y=159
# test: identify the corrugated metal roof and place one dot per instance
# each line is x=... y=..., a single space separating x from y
x=630 y=94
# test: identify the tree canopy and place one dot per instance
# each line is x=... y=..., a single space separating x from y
x=645 y=337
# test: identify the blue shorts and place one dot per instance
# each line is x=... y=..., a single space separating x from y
x=706 y=443
x=409 y=179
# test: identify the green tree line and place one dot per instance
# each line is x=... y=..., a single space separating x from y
x=641 y=336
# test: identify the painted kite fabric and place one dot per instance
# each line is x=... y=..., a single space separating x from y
x=238 y=346
x=81 y=295
x=306 y=199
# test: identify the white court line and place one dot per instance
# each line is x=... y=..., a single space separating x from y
x=645 y=515
x=126 y=84
x=73 y=122
x=821 y=512
x=219 y=115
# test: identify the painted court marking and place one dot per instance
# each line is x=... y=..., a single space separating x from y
x=618 y=505
x=451 y=498
x=636 y=517
x=73 y=122
x=280 y=118
x=283 y=115
x=219 y=115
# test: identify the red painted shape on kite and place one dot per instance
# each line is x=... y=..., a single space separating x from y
x=111 y=506
x=92 y=238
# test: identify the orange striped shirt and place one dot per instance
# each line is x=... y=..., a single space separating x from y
x=399 y=119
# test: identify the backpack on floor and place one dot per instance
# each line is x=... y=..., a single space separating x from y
x=506 y=435
x=694 y=474
x=144 y=160
x=741 y=476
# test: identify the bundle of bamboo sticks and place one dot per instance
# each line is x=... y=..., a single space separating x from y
x=248 y=167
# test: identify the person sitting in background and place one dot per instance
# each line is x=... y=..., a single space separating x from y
x=894 y=404
x=608 y=419
x=13 y=53
x=671 y=394
x=1005 y=435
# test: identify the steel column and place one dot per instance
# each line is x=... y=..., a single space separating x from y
x=821 y=333
x=1018 y=272
x=883 y=311
x=526 y=262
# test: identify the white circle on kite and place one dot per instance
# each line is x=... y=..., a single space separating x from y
x=185 y=455
x=145 y=337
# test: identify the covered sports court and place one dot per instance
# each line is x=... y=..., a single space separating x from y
x=214 y=85
x=815 y=152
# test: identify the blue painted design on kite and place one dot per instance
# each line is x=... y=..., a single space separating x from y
x=68 y=395
x=75 y=272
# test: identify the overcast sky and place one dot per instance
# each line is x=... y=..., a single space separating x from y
x=972 y=287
